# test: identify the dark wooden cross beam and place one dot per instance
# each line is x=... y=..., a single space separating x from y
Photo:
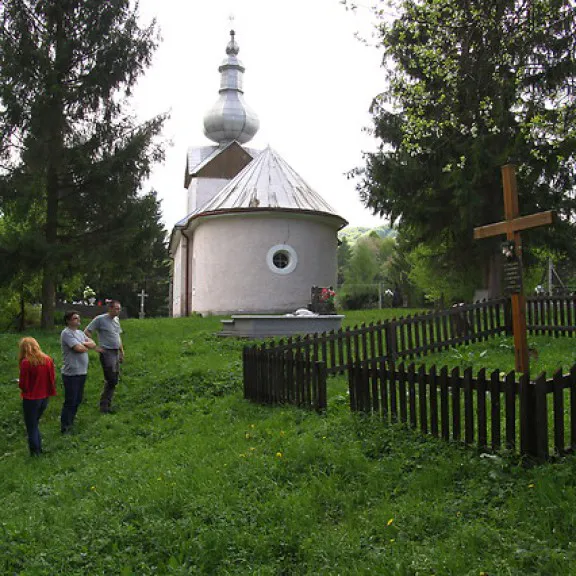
x=511 y=227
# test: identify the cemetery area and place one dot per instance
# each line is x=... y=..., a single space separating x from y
x=188 y=477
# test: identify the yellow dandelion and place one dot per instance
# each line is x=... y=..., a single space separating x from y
x=92 y=488
x=247 y=436
x=252 y=425
x=252 y=448
x=531 y=485
x=458 y=514
x=242 y=455
x=390 y=522
x=278 y=454
x=392 y=540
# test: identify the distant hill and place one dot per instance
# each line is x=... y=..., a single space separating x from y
x=354 y=233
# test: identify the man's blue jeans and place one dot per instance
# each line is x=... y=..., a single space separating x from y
x=73 y=394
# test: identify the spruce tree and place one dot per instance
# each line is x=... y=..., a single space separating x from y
x=472 y=85
x=72 y=153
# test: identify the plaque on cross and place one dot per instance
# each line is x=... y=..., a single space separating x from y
x=511 y=226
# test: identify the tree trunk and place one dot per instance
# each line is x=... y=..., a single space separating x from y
x=55 y=139
x=22 y=319
x=47 y=320
x=51 y=235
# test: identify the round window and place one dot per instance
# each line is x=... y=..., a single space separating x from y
x=281 y=259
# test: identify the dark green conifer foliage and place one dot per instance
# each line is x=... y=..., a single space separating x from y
x=73 y=157
x=471 y=85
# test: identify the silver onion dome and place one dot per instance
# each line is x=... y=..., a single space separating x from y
x=231 y=118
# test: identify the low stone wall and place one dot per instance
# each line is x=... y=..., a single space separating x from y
x=85 y=310
x=264 y=326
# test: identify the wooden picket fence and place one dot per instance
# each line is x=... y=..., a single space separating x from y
x=492 y=412
x=294 y=371
x=403 y=338
x=271 y=377
x=551 y=315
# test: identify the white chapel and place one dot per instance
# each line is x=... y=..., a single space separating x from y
x=256 y=237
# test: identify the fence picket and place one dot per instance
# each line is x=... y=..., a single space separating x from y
x=352 y=383
x=433 y=401
x=481 y=410
x=402 y=393
x=444 y=417
x=393 y=394
x=510 y=393
x=455 y=384
x=558 y=411
x=374 y=383
x=321 y=375
x=540 y=424
x=383 y=377
x=468 y=407
x=495 y=417
x=422 y=399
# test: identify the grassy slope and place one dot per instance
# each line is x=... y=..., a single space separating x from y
x=189 y=478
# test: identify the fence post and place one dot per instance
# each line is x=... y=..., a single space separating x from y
x=320 y=374
x=352 y=385
x=528 y=422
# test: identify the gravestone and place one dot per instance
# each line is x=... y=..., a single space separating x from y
x=322 y=300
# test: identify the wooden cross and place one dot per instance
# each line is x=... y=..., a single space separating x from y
x=142 y=295
x=511 y=227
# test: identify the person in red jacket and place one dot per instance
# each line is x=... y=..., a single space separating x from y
x=36 y=383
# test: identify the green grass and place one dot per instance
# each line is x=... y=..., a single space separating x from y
x=188 y=478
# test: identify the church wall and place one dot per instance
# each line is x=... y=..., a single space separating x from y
x=179 y=288
x=233 y=271
x=202 y=190
x=177 y=282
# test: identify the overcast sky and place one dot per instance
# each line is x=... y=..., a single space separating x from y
x=307 y=77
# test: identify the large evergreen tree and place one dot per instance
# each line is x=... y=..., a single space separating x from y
x=72 y=154
x=471 y=85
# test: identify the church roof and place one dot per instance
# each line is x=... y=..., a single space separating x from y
x=197 y=157
x=268 y=182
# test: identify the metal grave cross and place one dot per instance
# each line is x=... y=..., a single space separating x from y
x=512 y=272
x=142 y=295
